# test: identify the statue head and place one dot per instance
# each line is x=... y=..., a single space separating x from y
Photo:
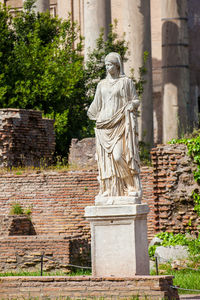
x=115 y=58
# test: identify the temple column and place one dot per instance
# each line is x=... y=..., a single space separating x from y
x=41 y=5
x=97 y=15
x=137 y=27
x=64 y=8
x=175 y=69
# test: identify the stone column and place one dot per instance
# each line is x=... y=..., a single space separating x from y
x=175 y=70
x=64 y=8
x=97 y=15
x=137 y=26
x=41 y=5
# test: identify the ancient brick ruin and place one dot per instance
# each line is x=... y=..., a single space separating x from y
x=58 y=198
x=26 y=139
x=173 y=184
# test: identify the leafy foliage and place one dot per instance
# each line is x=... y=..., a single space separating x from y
x=42 y=68
x=17 y=209
x=170 y=239
x=144 y=152
x=139 y=84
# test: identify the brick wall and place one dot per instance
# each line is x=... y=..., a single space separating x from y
x=24 y=253
x=167 y=187
x=26 y=139
x=148 y=197
x=58 y=199
x=151 y=287
x=16 y=225
x=173 y=186
x=82 y=153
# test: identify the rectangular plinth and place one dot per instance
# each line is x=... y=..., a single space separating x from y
x=119 y=240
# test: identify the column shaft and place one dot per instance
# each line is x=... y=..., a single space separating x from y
x=175 y=70
x=97 y=15
x=41 y=5
x=137 y=27
x=64 y=8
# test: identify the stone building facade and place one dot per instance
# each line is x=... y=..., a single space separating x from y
x=168 y=30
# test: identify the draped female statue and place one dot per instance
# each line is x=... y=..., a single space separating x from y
x=115 y=109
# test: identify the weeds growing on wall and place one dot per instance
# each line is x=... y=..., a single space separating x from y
x=193 y=145
x=17 y=209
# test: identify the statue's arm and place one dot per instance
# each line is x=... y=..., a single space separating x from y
x=95 y=106
x=134 y=101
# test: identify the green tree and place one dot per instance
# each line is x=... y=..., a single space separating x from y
x=6 y=47
x=44 y=69
x=41 y=67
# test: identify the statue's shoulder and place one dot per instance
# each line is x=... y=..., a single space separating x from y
x=102 y=82
x=126 y=80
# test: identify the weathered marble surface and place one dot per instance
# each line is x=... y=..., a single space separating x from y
x=119 y=239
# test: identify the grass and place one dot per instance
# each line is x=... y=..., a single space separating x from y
x=21 y=171
x=183 y=278
x=80 y=272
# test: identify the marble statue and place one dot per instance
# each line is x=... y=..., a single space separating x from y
x=115 y=110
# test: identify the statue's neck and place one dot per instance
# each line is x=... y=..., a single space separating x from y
x=113 y=76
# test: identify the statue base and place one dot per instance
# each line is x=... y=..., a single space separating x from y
x=119 y=239
x=118 y=200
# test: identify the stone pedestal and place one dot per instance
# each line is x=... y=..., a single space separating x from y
x=119 y=239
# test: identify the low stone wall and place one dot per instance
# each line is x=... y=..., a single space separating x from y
x=151 y=287
x=26 y=139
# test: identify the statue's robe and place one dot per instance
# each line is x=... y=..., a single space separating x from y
x=114 y=122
